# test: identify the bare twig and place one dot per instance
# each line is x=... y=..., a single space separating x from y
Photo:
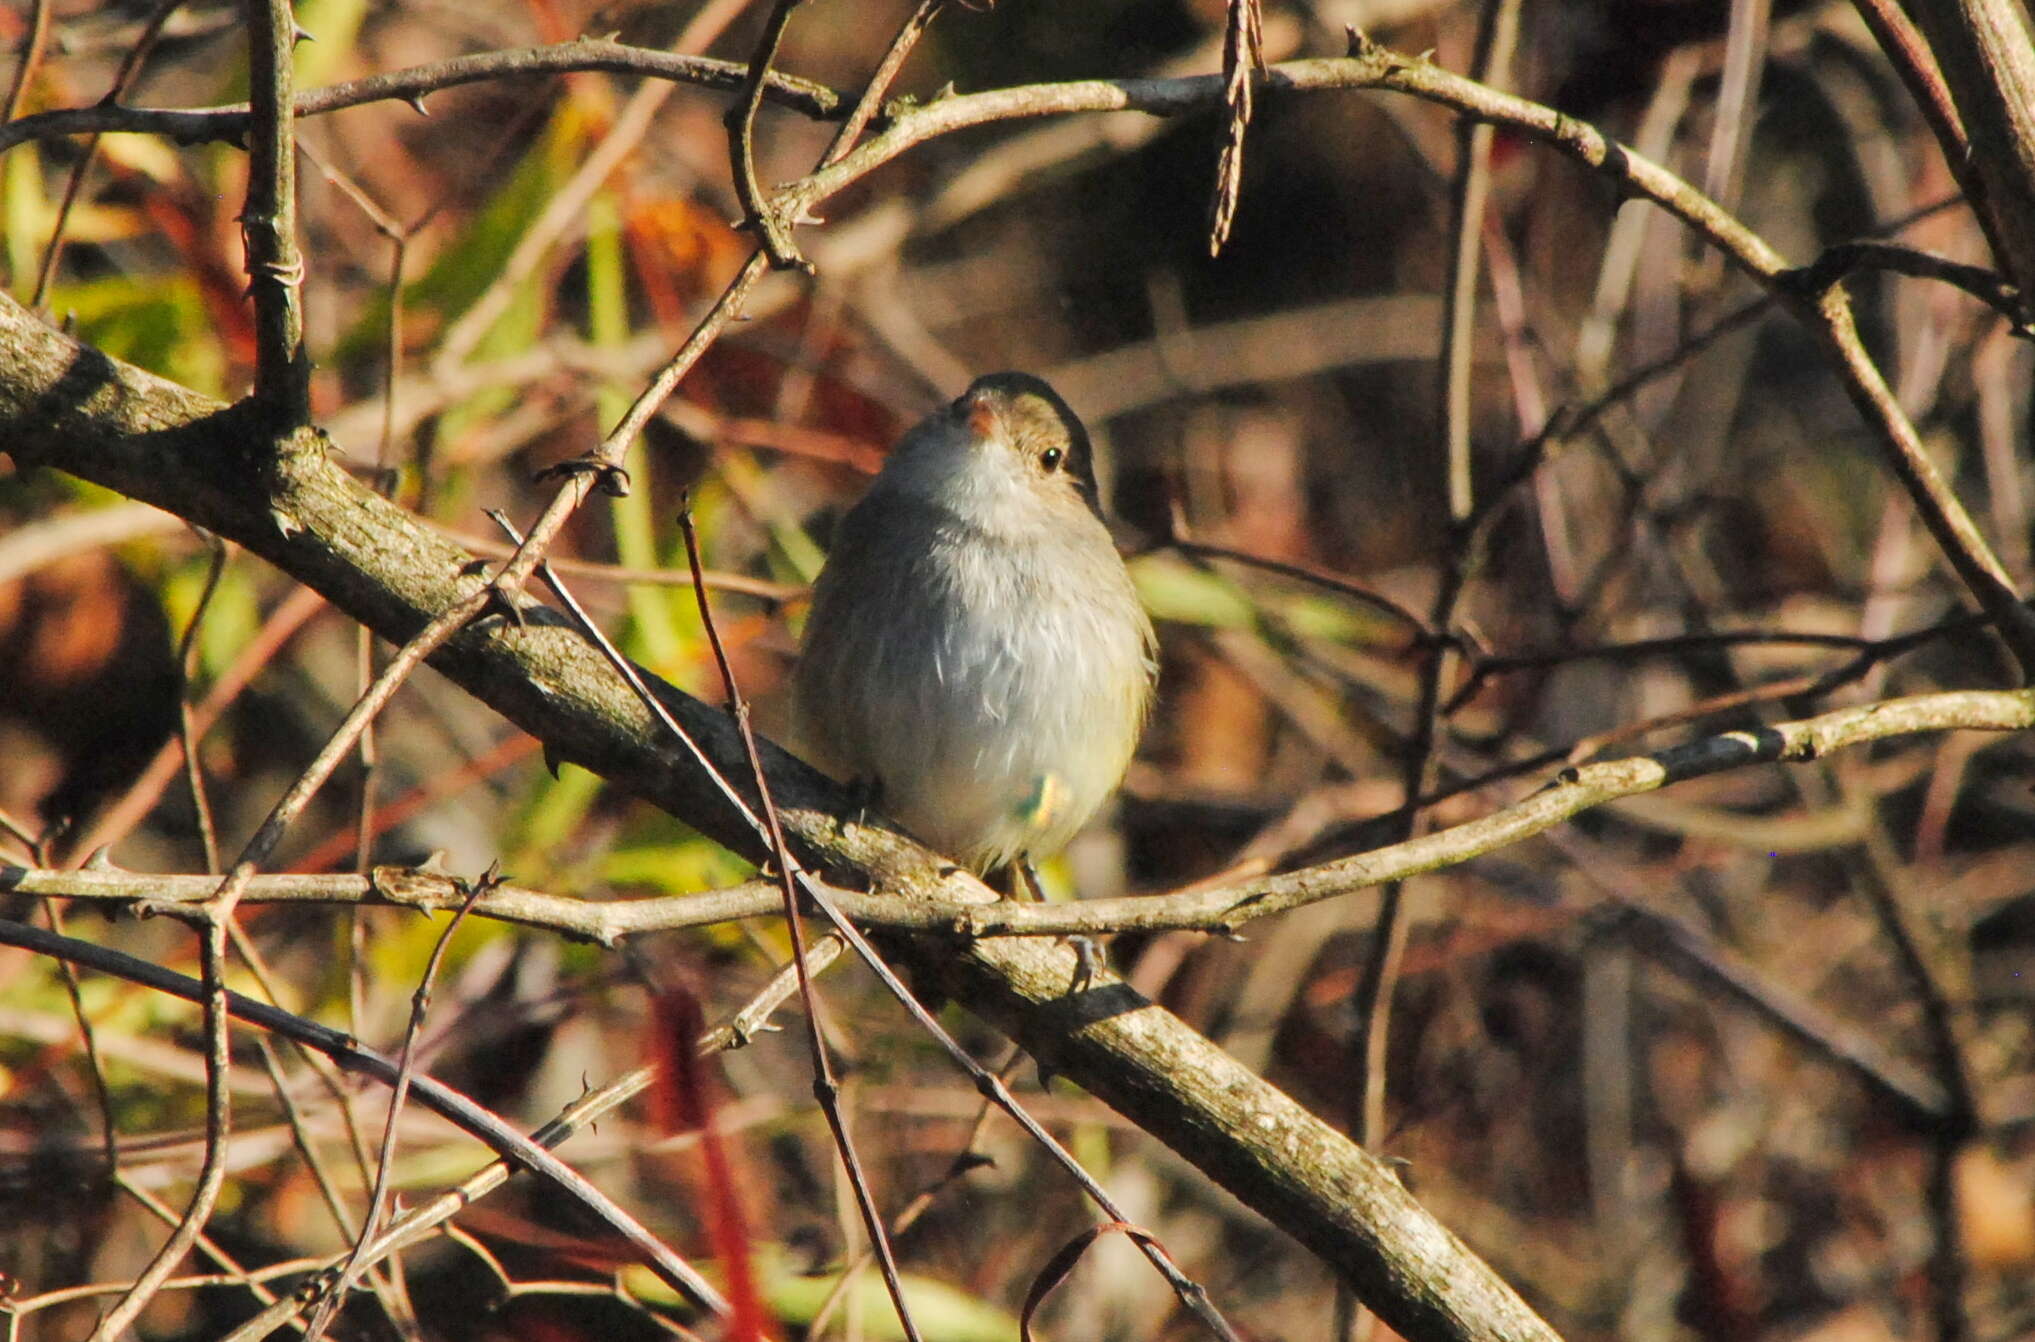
x=1844 y=258
x=123 y=80
x=447 y=1103
x=307 y=1148
x=880 y=79
x=1370 y=1042
x=759 y=213
x=1469 y=192
x=1987 y=59
x=187 y=733
x=587 y=54
x=406 y=1061
x=1300 y=573
x=88 y=1035
x=32 y=45
x=966 y=1160
x=826 y=1087
x=212 y=995
x=1221 y=908
x=268 y=222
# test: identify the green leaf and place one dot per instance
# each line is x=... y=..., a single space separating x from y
x=942 y=1312
x=158 y=323
x=1178 y=592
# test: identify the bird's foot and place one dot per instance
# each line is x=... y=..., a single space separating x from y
x=1087 y=956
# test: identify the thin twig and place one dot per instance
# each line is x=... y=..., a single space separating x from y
x=440 y=1099
x=88 y=1035
x=211 y=993
x=33 y=44
x=268 y=221
x=966 y=1160
x=1469 y=193
x=584 y=55
x=123 y=80
x=1989 y=287
x=1378 y=981
x=307 y=1149
x=406 y=1061
x=1300 y=573
x=364 y=826
x=1483 y=667
x=1221 y=908
x=759 y=214
x=826 y=1087
x=187 y=734
x=871 y=100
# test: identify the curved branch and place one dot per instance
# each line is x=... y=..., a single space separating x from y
x=588 y=54
x=1222 y=909
x=1825 y=310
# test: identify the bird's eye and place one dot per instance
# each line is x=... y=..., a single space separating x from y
x=1050 y=458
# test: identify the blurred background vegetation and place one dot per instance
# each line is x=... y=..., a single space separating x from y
x=1639 y=1150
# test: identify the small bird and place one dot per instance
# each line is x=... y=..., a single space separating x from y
x=976 y=660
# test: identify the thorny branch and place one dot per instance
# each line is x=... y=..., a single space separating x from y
x=268 y=222
x=1224 y=909
x=588 y=54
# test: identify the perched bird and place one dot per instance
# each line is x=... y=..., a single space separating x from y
x=976 y=659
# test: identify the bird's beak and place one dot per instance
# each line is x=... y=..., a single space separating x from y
x=980 y=416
